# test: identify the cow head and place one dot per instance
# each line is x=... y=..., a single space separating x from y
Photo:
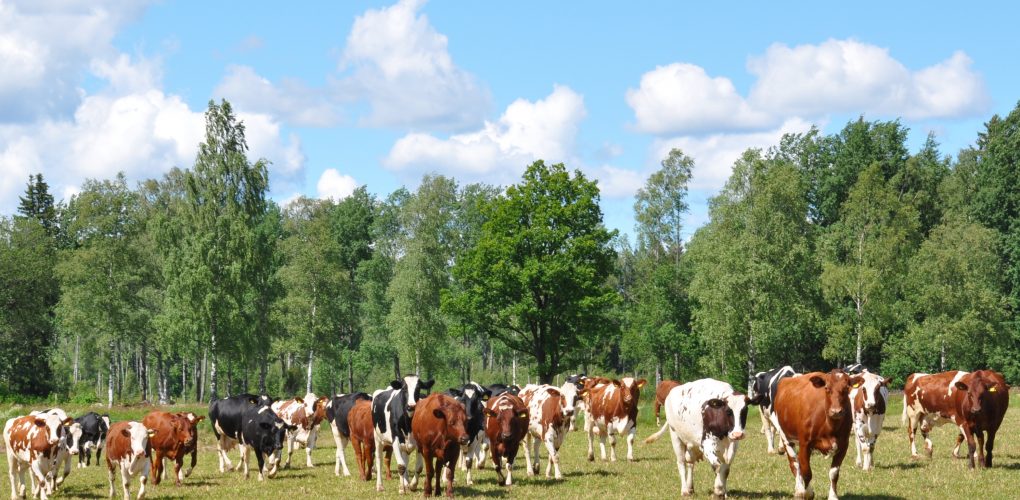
x=725 y=416
x=454 y=417
x=319 y=410
x=271 y=435
x=414 y=390
x=138 y=436
x=870 y=390
x=977 y=388
x=473 y=396
x=577 y=379
x=631 y=388
x=758 y=389
x=836 y=387
x=72 y=436
x=571 y=397
x=507 y=413
x=183 y=430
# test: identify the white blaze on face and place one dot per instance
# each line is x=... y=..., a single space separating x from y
x=75 y=431
x=411 y=381
x=139 y=438
x=570 y=399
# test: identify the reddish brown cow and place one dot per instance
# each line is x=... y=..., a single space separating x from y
x=661 y=391
x=975 y=402
x=32 y=445
x=439 y=427
x=506 y=424
x=812 y=411
x=362 y=437
x=127 y=449
x=176 y=437
x=611 y=407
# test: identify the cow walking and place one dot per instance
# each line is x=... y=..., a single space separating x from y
x=549 y=422
x=975 y=402
x=176 y=436
x=225 y=416
x=661 y=392
x=762 y=391
x=868 y=402
x=440 y=429
x=93 y=437
x=506 y=425
x=392 y=409
x=610 y=409
x=264 y=433
x=812 y=412
x=305 y=415
x=338 y=415
x=70 y=445
x=706 y=419
x=32 y=443
x=472 y=397
x=362 y=437
x=127 y=450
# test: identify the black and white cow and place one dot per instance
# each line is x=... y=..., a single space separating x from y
x=762 y=392
x=497 y=389
x=225 y=416
x=337 y=409
x=855 y=369
x=93 y=437
x=265 y=433
x=392 y=410
x=473 y=396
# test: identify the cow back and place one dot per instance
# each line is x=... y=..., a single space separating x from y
x=662 y=390
x=359 y=421
x=339 y=408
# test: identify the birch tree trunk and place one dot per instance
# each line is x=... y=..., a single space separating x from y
x=109 y=381
x=308 y=380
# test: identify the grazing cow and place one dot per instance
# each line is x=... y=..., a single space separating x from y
x=975 y=402
x=812 y=412
x=497 y=389
x=337 y=414
x=93 y=437
x=506 y=425
x=127 y=449
x=32 y=443
x=305 y=415
x=473 y=397
x=440 y=429
x=362 y=437
x=225 y=416
x=264 y=433
x=661 y=391
x=868 y=402
x=762 y=391
x=706 y=419
x=176 y=437
x=610 y=409
x=549 y=420
x=70 y=445
x=392 y=409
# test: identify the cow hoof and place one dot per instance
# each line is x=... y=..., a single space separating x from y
x=379 y=488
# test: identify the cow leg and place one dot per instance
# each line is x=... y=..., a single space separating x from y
x=680 y=450
x=630 y=443
x=910 y=418
x=244 y=460
x=221 y=450
x=341 y=460
x=449 y=481
x=309 y=447
x=602 y=442
x=401 y=467
x=989 y=445
x=13 y=474
x=290 y=448
x=979 y=454
x=803 y=487
x=554 y=456
x=40 y=484
x=959 y=443
x=143 y=478
x=111 y=474
x=125 y=481
x=527 y=454
x=429 y=472
x=378 y=464
x=178 y=475
x=417 y=469
x=194 y=460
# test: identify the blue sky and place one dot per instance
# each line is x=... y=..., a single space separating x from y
x=340 y=94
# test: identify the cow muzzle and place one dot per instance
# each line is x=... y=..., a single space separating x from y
x=737 y=435
x=836 y=413
x=464 y=440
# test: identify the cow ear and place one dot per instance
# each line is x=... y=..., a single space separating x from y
x=126 y=432
x=396 y=384
x=489 y=413
x=40 y=422
x=817 y=381
x=993 y=388
x=523 y=414
x=151 y=432
x=199 y=418
x=67 y=422
x=455 y=393
x=253 y=400
x=641 y=383
x=439 y=413
x=961 y=386
x=428 y=384
x=856 y=381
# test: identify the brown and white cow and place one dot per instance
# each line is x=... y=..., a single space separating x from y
x=32 y=443
x=439 y=427
x=661 y=392
x=176 y=436
x=610 y=409
x=868 y=402
x=549 y=421
x=975 y=402
x=305 y=414
x=70 y=442
x=362 y=436
x=127 y=449
x=812 y=412
x=506 y=425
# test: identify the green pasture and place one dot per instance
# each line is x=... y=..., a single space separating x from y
x=652 y=475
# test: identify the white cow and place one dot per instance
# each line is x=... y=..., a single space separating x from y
x=868 y=403
x=706 y=419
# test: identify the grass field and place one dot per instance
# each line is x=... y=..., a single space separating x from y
x=652 y=475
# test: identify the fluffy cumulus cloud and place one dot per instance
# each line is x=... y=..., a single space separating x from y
x=290 y=100
x=334 y=185
x=129 y=124
x=401 y=65
x=807 y=82
x=527 y=130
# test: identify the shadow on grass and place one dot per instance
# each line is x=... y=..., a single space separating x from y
x=901 y=465
x=758 y=494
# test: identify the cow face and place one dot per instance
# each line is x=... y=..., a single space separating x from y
x=138 y=436
x=72 y=437
x=725 y=417
x=758 y=388
x=455 y=418
x=836 y=387
x=506 y=414
x=631 y=388
x=976 y=388
x=870 y=390
x=578 y=380
x=271 y=435
x=571 y=398
x=183 y=430
x=473 y=397
x=414 y=389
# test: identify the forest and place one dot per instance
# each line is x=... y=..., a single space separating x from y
x=820 y=251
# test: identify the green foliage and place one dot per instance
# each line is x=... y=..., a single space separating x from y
x=536 y=280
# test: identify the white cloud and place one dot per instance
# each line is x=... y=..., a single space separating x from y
x=334 y=185
x=527 y=131
x=808 y=82
x=715 y=154
x=681 y=98
x=617 y=182
x=290 y=101
x=401 y=65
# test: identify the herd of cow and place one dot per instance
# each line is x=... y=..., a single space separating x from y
x=467 y=425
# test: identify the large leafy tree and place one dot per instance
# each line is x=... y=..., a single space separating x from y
x=212 y=266
x=537 y=278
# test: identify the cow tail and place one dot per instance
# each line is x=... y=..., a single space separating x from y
x=657 y=435
x=903 y=416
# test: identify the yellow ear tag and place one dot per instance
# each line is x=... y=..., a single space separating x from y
x=856 y=385
x=522 y=415
x=991 y=389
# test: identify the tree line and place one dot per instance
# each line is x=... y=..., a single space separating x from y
x=819 y=251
